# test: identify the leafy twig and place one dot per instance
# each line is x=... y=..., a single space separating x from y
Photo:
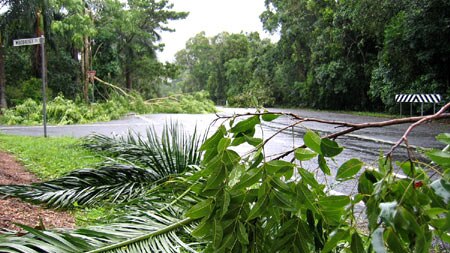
x=422 y=120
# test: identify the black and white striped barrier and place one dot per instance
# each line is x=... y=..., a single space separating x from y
x=418 y=98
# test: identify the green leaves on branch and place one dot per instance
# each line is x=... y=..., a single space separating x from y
x=256 y=204
x=269 y=117
x=241 y=194
x=312 y=141
x=412 y=209
x=441 y=158
x=324 y=147
x=318 y=147
x=349 y=169
x=201 y=209
x=253 y=204
x=304 y=154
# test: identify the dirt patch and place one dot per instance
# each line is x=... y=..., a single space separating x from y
x=16 y=211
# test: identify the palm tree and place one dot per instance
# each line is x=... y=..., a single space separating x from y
x=152 y=190
x=15 y=23
x=19 y=15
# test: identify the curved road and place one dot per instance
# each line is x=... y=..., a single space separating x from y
x=422 y=136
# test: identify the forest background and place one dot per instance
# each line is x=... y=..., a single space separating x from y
x=343 y=55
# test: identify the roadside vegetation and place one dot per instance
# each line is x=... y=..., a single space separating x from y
x=333 y=55
x=180 y=193
x=62 y=111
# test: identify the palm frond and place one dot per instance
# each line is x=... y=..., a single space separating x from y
x=158 y=234
x=151 y=223
x=86 y=187
x=166 y=155
x=158 y=157
x=163 y=240
x=148 y=226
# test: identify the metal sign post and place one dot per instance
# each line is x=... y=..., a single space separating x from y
x=37 y=41
x=44 y=81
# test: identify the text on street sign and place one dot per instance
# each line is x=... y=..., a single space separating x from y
x=27 y=42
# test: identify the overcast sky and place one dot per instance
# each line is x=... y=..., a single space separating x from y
x=212 y=17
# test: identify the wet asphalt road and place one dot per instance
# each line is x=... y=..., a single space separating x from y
x=422 y=136
x=366 y=144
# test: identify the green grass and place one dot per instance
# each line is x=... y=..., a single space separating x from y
x=373 y=114
x=94 y=215
x=49 y=158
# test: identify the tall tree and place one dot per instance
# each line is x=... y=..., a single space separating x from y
x=3 y=103
x=23 y=19
x=295 y=21
x=30 y=19
x=231 y=67
x=78 y=24
x=416 y=53
x=196 y=62
x=135 y=41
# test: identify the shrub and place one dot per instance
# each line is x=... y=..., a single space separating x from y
x=62 y=111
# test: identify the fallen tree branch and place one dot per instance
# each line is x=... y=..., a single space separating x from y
x=114 y=87
x=404 y=138
x=350 y=127
x=173 y=97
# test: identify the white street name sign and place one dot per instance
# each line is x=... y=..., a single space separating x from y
x=27 y=42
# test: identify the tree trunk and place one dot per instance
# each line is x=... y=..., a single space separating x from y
x=85 y=67
x=128 y=78
x=76 y=78
x=86 y=59
x=2 y=77
x=37 y=62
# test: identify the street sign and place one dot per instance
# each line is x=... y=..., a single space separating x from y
x=27 y=42
x=37 y=41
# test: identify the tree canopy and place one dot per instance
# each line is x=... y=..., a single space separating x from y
x=118 y=39
x=343 y=55
x=329 y=53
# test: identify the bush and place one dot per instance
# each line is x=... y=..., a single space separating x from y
x=62 y=111
x=29 y=89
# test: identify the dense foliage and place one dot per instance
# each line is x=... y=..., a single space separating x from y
x=172 y=194
x=62 y=111
x=329 y=52
x=255 y=204
x=229 y=66
x=350 y=54
x=118 y=39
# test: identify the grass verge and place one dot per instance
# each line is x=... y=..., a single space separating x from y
x=48 y=158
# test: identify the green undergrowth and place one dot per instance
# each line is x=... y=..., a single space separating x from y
x=48 y=158
x=94 y=215
x=62 y=111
